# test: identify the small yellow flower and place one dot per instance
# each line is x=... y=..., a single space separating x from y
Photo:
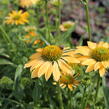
x=96 y=56
x=69 y=80
x=17 y=17
x=50 y=60
x=66 y=25
x=28 y=3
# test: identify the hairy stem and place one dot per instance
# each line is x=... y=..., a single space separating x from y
x=60 y=98
x=97 y=89
x=88 y=19
x=47 y=19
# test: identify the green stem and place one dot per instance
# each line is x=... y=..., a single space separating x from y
x=97 y=89
x=70 y=93
x=83 y=99
x=88 y=19
x=37 y=15
x=60 y=98
x=105 y=92
x=47 y=20
x=59 y=17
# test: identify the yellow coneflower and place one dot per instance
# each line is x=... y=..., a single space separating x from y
x=66 y=25
x=69 y=80
x=17 y=17
x=50 y=60
x=96 y=56
x=28 y=3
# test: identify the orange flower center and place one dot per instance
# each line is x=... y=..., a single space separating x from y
x=100 y=54
x=52 y=53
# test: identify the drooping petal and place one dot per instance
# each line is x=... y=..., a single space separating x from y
x=43 y=69
x=35 y=73
x=105 y=64
x=71 y=59
x=92 y=45
x=49 y=72
x=62 y=85
x=90 y=68
x=106 y=45
x=83 y=50
x=34 y=66
x=102 y=71
x=70 y=87
x=35 y=56
x=97 y=66
x=32 y=62
x=83 y=58
x=89 y=62
x=56 y=72
x=100 y=44
x=64 y=66
x=39 y=50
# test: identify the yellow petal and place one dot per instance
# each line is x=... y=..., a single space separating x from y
x=36 y=65
x=64 y=66
x=70 y=53
x=97 y=66
x=83 y=50
x=49 y=72
x=43 y=68
x=100 y=44
x=106 y=45
x=82 y=58
x=63 y=85
x=71 y=59
x=102 y=71
x=35 y=56
x=70 y=87
x=32 y=62
x=89 y=62
x=56 y=72
x=105 y=64
x=91 y=45
x=35 y=73
x=90 y=68
x=39 y=50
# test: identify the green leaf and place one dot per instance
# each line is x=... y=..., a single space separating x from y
x=5 y=62
x=2 y=53
x=18 y=75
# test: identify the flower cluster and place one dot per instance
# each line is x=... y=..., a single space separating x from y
x=57 y=61
x=61 y=62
